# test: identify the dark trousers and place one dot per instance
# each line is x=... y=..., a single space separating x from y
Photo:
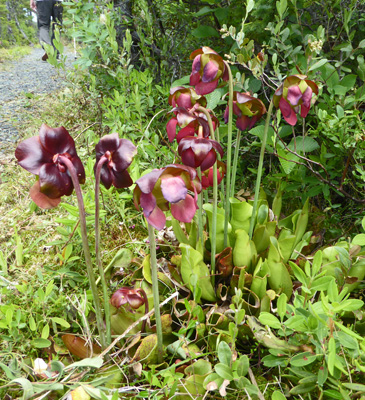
x=49 y=13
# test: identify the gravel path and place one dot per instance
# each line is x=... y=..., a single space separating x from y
x=21 y=80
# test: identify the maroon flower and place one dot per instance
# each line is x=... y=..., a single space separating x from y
x=248 y=109
x=135 y=298
x=190 y=121
x=119 y=154
x=207 y=175
x=185 y=97
x=199 y=152
x=42 y=155
x=208 y=67
x=295 y=93
x=155 y=191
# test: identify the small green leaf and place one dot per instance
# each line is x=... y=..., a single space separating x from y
x=268 y=319
x=28 y=391
x=224 y=353
x=45 y=332
x=359 y=239
x=61 y=321
x=223 y=371
x=318 y=64
x=361 y=44
x=32 y=324
x=331 y=355
x=95 y=362
x=358 y=387
x=281 y=305
x=306 y=358
x=242 y=365
x=277 y=396
x=41 y=343
x=204 y=31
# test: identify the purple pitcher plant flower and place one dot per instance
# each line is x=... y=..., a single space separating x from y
x=118 y=155
x=134 y=298
x=293 y=95
x=248 y=110
x=166 y=188
x=190 y=121
x=207 y=175
x=199 y=152
x=185 y=98
x=42 y=156
x=208 y=67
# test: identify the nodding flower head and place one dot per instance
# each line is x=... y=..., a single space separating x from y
x=44 y=155
x=248 y=110
x=168 y=188
x=294 y=95
x=208 y=67
x=118 y=155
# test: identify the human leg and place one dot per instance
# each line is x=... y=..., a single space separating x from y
x=57 y=11
x=44 y=12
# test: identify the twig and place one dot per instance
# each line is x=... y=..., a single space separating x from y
x=253 y=380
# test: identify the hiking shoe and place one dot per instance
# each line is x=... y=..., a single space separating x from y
x=45 y=57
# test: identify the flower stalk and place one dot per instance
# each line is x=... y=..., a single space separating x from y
x=235 y=161
x=259 y=170
x=100 y=164
x=85 y=244
x=229 y=153
x=156 y=295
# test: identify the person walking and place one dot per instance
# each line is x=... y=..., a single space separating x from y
x=49 y=13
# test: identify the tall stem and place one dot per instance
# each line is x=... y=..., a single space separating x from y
x=156 y=295
x=85 y=244
x=229 y=154
x=100 y=164
x=215 y=199
x=259 y=170
x=200 y=211
x=235 y=160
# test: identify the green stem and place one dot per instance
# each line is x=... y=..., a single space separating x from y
x=85 y=244
x=99 y=166
x=200 y=211
x=229 y=154
x=235 y=160
x=259 y=170
x=215 y=198
x=156 y=295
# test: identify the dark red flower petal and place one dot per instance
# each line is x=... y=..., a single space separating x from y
x=31 y=155
x=304 y=111
x=184 y=210
x=189 y=130
x=41 y=199
x=53 y=182
x=243 y=122
x=123 y=156
x=147 y=182
x=121 y=179
x=206 y=88
x=148 y=203
x=80 y=170
x=209 y=160
x=307 y=97
x=107 y=143
x=157 y=219
x=288 y=113
x=171 y=129
x=294 y=95
x=106 y=176
x=173 y=189
x=210 y=71
x=56 y=140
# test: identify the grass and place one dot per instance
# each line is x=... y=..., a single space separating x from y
x=13 y=54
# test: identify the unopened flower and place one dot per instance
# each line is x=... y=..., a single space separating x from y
x=166 y=188
x=207 y=175
x=293 y=95
x=135 y=298
x=42 y=155
x=185 y=97
x=208 y=67
x=248 y=110
x=119 y=154
x=199 y=152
